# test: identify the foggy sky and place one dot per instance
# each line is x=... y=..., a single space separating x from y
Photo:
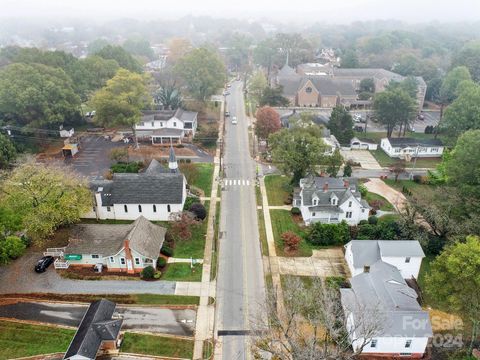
x=331 y=11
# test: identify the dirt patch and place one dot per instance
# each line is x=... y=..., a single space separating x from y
x=149 y=152
x=84 y=273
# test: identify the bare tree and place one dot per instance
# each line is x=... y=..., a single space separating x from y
x=313 y=325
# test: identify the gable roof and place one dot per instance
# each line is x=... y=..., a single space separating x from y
x=156 y=167
x=368 y=252
x=383 y=293
x=97 y=325
x=184 y=115
x=327 y=86
x=165 y=115
x=410 y=142
x=144 y=237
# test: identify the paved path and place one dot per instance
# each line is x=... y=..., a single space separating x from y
x=396 y=198
x=323 y=263
x=148 y=319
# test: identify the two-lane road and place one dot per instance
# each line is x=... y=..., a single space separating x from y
x=240 y=283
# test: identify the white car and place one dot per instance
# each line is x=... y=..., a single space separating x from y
x=234 y=120
x=357 y=118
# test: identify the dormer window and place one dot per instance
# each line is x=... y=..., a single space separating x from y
x=308 y=90
x=334 y=201
x=315 y=201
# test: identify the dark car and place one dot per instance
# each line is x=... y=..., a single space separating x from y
x=43 y=264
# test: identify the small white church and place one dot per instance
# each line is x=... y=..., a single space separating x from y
x=154 y=194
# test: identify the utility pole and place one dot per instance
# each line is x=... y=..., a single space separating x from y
x=414 y=164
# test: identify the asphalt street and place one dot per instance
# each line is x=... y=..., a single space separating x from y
x=148 y=319
x=240 y=283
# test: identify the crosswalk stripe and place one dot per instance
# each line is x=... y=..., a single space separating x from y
x=248 y=182
x=235 y=182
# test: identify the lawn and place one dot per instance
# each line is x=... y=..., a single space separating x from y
x=140 y=299
x=20 y=340
x=195 y=246
x=386 y=206
x=385 y=161
x=424 y=270
x=412 y=186
x=204 y=179
x=282 y=221
x=182 y=272
x=157 y=345
x=278 y=189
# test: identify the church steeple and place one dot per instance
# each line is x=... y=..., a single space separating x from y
x=172 y=161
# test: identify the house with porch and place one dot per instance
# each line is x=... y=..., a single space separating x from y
x=117 y=248
x=167 y=126
x=154 y=194
x=404 y=148
x=330 y=200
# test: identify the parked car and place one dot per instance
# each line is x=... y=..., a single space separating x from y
x=225 y=93
x=358 y=128
x=357 y=117
x=43 y=264
x=234 y=120
x=227 y=113
x=421 y=116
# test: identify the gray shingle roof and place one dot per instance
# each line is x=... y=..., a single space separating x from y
x=107 y=240
x=184 y=115
x=97 y=325
x=410 y=142
x=327 y=86
x=156 y=168
x=384 y=292
x=167 y=132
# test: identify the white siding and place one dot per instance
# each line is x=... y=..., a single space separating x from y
x=133 y=213
x=397 y=152
x=406 y=269
x=394 y=345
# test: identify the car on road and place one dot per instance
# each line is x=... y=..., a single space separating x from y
x=229 y=85
x=43 y=264
x=225 y=93
x=234 y=120
x=421 y=116
x=357 y=117
x=227 y=113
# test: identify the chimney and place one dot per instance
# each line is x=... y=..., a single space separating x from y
x=366 y=269
x=346 y=184
x=325 y=187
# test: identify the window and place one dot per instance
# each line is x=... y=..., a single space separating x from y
x=122 y=261
x=161 y=123
x=397 y=150
x=308 y=90
x=366 y=269
x=348 y=214
x=433 y=149
x=154 y=208
x=373 y=343
x=349 y=204
x=147 y=261
x=153 y=123
x=188 y=125
x=408 y=343
x=334 y=201
x=108 y=208
x=125 y=208
x=139 y=208
x=112 y=259
x=168 y=208
x=137 y=261
x=174 y=124
x=313 y=214
x=315 y=202
x=95 y=256
x=142 y=124
x=407 y=259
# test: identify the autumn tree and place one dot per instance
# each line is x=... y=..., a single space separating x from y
x=122 y=100
x=46 y=197
x=177 y=48
x=291 y=241
x=202 y=72
x=268 y=122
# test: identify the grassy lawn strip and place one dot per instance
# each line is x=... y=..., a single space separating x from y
x=386 y=161
x=20 y=340
x=412 y=186
x=157 y=345
x=204 y=178
x=183 y=272
x=386 y=206
x=195 y=246
x=282 y=221
x=139 y=299
x=424 y=270
x=278 y=189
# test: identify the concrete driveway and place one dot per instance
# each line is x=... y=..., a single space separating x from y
x=396 y=198
x=364 y=157
x=148 y=319
x=323 y=263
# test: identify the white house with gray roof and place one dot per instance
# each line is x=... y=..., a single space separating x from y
x=330 y=200
x=405 y=255
x=154 y=194
x=119 y=248
x=407 y=147
x=167 y=126
x=381 y=300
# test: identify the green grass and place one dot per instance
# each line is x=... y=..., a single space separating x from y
x=389 y=217
x=282 y=221
x=195 y=246
x=412 y=186
x=386 y=206
x=278 y=189
x=214 y=264
x=385 y=161
x=424 y=270
x=183 y=272
x=19 y=340
x=154 y=299
x=262 y=232
x=157 y=345
x=204 y=178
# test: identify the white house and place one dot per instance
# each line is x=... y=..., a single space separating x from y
x=330 y=200
x=362 y=144
x=405 y=148
x=167 y=126
x=405 y=255
x=383 y=315
x=153 y=194
x=119 y=248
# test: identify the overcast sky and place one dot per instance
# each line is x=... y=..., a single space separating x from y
x=331 y=11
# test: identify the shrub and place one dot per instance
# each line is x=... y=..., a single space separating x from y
x=157 y=275
x=336 y=282
x=329 y=234
x=167 y=251
x=189 y=201
x=372 y=220
x=376 y=204
x=288 y=200
x=148 y=272
x=11 y=247
x=363 y=190
x=161 y=262
x=295 y=211
x=291 y=241
x=417 y=178
x=132 y=167
x=347 y=170
x=363 y=222
x=199 y=211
